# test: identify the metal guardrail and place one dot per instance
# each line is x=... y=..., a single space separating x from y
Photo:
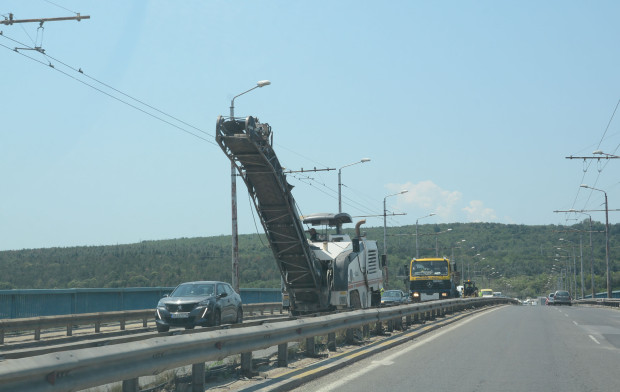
x=91 y=367
x=24 y=303
x=600 y=301
x=71 y=321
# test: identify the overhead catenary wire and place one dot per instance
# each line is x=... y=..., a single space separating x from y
x=588 y=164
x=49 y=64
x=52 y=62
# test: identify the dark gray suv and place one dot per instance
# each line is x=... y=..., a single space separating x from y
x=204 y=303
x=562 y=297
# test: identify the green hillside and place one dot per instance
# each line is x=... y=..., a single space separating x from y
x=515 y=259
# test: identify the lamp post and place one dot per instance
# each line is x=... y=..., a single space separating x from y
x=385 y=220
x=454 y=260
x=416 y=233
x=386 y=281
x=567 y=285
x=363 y=160
x=591 y=256
x=572 y=246
x=608 y=268
x=233 y=191
x=436 y=244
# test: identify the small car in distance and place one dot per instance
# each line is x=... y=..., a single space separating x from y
x=393 y=297
x=562 y=297
x=549 y=300
x=201 y=303
x=486 y=293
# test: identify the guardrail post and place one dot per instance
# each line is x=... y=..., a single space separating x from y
x=407 y=320
x=365 y=331
x=97 y=326
x=310 y=347
x=2 y=336
x=145 y=322
x=37 y=333
x=331 y=341
x=246 y=364
x=390 y=326
x=122 y=325
x=398 y=324
x=131 y=385
x=283 y=355
x=198 y=377
x=379 y=328
x=70 y=329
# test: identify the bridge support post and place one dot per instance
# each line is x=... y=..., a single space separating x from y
x=283 y=355
x=131 y=385
x=198 y=377
x=331 y=341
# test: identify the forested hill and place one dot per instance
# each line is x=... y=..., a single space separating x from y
x=522 y=255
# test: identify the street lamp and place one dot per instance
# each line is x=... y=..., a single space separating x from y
x=599 y=152
x=340 y=182
x=385 y=220
x=436 y=236
x=574 y=290
x=606 y=237
x=385 y=230
x=233 y=191
x=591 y=256
x=416 y=233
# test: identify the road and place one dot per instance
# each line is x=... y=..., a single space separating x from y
x=512 y=348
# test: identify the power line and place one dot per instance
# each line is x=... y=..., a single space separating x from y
x=16 y=50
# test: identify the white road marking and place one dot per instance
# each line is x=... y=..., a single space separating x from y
x=574 y=322
x=389 y=359
x=384 y=362
x=593 y=338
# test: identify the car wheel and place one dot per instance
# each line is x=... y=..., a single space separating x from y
x=162 y=328
x=239 y=316
x=217 y=318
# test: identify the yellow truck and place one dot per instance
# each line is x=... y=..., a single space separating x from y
x=486 y=293
x=432 y=278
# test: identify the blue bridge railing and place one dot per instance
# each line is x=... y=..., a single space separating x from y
x=34 y=303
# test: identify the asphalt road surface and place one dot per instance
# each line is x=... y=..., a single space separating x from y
x=512 y=348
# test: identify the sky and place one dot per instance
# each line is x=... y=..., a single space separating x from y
x=470 y=106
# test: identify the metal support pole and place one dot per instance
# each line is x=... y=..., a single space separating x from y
x=246 y=364
x=310 y=347
x=607 y=247
x=198 y=377
x=331 y=341
x=130 y=385
x=591 y=262
x=283 y=355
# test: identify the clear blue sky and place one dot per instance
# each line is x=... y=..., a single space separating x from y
x=472 y=106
